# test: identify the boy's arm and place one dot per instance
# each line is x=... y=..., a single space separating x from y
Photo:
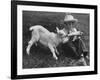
x=75 y=33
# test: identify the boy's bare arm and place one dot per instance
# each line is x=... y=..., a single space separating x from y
x=75 y=33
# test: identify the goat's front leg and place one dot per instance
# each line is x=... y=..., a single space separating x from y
x=56 y=51
x=53 y=51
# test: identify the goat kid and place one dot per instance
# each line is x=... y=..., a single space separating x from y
x=46 y=38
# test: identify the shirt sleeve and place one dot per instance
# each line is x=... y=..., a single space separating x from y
x=73 y=30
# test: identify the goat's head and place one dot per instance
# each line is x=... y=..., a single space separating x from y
x=61 y=32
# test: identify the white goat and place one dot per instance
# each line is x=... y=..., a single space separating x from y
x=47 y=38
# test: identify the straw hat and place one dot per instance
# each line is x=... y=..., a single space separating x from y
x=70 y=18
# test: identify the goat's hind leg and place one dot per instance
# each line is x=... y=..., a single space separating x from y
x=34 y=39
x=30 y=43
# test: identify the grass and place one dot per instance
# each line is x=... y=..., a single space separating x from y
x=43 y=60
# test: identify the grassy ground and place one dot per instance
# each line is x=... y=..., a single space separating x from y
x=41 y=57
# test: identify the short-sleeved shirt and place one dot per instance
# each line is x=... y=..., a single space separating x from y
x=71 y=31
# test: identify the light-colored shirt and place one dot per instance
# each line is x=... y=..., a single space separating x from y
x=73 y=30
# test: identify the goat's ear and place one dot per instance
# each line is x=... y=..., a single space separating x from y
x=57 y=29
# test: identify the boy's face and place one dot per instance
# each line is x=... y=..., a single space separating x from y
x=70 y=24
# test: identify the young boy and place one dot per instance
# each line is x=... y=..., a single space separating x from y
x=73 y=34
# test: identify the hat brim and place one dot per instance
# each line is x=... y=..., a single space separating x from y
x=74 y=20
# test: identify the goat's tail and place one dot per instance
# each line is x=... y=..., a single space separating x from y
x=31 y=28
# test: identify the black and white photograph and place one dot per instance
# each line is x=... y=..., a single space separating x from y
x=53 y=40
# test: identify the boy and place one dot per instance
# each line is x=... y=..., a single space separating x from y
x=75 y=42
